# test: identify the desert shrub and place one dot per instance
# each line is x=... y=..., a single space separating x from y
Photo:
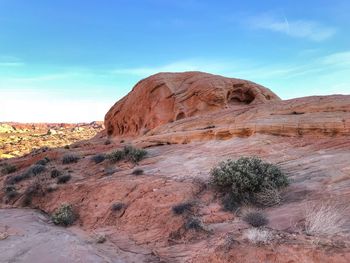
x=230 y=203
x=55 y=173
x=181 y=208
x=129 y=153
x=258 y=236
x=35 y=189
x=62 y=179
x=70 y=158
x=107 y=142
x=99 y=158
x=37 y=169
x=193 y=223
x=247 y=176
x=137 y=172
x=10 y=191
x=8 y=169
x=117 y=207
x=66 y=147
x=268 y=196
x=133 y=154
x=44 y=161
x=115 y=156
x=327 y=218
x=18 y=178
x=64 y=215
x=255 y=218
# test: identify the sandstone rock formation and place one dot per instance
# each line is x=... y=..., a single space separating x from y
x=167 y=97
x=309 y=138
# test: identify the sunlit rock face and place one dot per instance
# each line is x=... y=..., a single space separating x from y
x=168 y=97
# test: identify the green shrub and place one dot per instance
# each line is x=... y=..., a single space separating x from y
x=62 y=179
x=44 y=161
x=181 y=208
x=116 y=156
x=137 y=172
x=8 y=169
x=70 y=158
x=98 y=158
x=256 y=219
x=133 y=154
x=55 y=173
x=247 y=176
x=64 y=215
x=118 y=206
x=193 y=223
x=128 y=153
x=37 y=169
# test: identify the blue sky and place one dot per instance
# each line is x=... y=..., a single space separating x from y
x=70 y=60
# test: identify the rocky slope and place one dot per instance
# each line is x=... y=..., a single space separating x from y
x=17 y=139
x=307 y=137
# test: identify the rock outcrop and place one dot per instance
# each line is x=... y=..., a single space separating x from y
x=168 y=97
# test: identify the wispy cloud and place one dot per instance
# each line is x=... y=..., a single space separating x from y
x=337 y=59
x=295 y=28
x=10 y=61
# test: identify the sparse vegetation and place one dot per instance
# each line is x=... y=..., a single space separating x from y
x=107 y=142
x=37 y=169
x=133 y=154
x=193 y=223
x=137 y=171
x=117 y=206
x=247 y=176
x=258 y=236
x=327 y=218
x=181 y=208
x=255 y=218
x=128 y=153
x=44 y=161
x=268 y=196
x=18 y=178
x=35 y=189
x=70 y=158
x=115 y=156
x=10 y=191
x=55 y=173
x=99 y=158
x=230 y=203
x=62 y=179
x=8 y=168
x=64 y=215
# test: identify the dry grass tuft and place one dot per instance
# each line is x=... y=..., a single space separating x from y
x=327 y=218
x=258 y=236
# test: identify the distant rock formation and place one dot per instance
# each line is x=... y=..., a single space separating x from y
x=167 y=97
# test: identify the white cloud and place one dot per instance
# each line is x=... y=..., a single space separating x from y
x=295 y=28
x=337 y=59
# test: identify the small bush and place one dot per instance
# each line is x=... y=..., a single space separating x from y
x=70 y=158
x=115 y=156
x=8 y=169
x=62 y=179
x=230 y=203
x=10 y=191
x=255 y=219
x=35 y=189
x=258 y=236
x=44 y=161
x=129 y=153
x=133 y=154
x=64 y=215
x=55 y=173
x=193 y=223
x=117 y=207
x=107 y=142
x=37 y=169
x=99 y=158
x=66 y=147
x=327 y=218
x=18 y=178
x=247 y=176
x=137 y=172
x=268 y=196
x=181 y=208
